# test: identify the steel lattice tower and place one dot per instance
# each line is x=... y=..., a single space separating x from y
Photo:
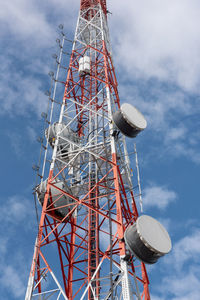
x=87 y=200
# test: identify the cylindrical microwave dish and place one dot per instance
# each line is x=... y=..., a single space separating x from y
x=61 y=129
x=61 y=202
x=148 y=239
x=129 y=120
x=153 y=234
x=133 y=116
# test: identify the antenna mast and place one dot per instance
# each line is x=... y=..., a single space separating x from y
x=86 y=193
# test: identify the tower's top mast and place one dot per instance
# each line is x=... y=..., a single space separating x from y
x=89 y=3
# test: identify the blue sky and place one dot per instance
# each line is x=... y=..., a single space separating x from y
x=156 y=46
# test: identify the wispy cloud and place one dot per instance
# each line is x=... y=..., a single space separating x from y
x=11 y=280
x=153 y=297
x=188 y=248
x=28 y=40
x=183 y=286
x=162 y=39
x=25 y=20
x=181 y=276
x=32 y=134
x=17 y=218
x=16 y=209
x=160 y=75
x=15 y=142
x=3 y=245
x=172 y=117
x=177 y=133
x=167 y=223
x=20 y=92
x=152 y=33
x=158 y=196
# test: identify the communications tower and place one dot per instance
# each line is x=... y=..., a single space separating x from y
x=83 y=249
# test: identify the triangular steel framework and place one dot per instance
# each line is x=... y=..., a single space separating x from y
x=82 y=254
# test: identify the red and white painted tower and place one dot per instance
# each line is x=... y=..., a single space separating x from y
x=86 y=189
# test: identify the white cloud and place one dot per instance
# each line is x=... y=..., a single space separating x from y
x=22 y=88
x=183 y=149
x=181 y=141
x=34 y=23
x=156 y=48
x=20 y=92
x=17 y=217
x=3 y=245
x=31 y=133
x=165 y=110
x=23 y=19
x=15 y=142
x=181 y=270
x=153 y=297
x=172 y=119
x=166 y=222
x=12 y=281
x=28 y=39
x=184 y=286
x=16 y=209
x=162 y=39
x=158 y=196
x=188 y=248
x=176 y=133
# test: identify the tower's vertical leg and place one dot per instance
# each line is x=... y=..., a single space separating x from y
x=71 y=259
x=120 y=229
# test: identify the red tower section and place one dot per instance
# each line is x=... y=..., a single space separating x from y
x=86 y=191
x=85 y=4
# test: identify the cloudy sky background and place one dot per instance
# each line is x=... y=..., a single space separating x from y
x=156 y=46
